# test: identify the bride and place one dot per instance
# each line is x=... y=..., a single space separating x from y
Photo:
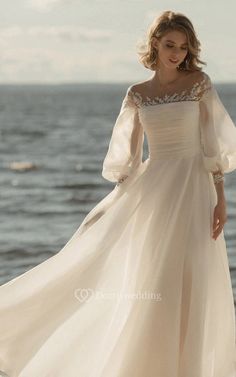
x=143 y=286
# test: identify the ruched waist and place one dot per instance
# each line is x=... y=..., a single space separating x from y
x=173 y=151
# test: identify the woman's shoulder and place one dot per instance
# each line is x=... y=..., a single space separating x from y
x=197 y=76
x=138 y=87
x=203 y=77
x=203 y=81
x=197 y=81
x=136 y=92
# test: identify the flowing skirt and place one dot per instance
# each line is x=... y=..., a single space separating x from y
x=141 y=288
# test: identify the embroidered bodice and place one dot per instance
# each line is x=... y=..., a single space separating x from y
x=187 y=122
x=192 y=92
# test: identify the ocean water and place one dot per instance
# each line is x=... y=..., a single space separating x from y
x=61 y=134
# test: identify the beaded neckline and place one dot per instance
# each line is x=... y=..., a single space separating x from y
x=194 y=94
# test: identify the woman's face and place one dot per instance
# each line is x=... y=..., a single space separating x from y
x=172 y=49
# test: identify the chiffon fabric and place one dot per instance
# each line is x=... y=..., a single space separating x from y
x=141 y=288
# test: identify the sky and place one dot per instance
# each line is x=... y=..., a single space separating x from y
x=72 y=41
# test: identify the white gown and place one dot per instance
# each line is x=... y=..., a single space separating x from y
x=141 y=289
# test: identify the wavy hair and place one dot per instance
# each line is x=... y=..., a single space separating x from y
x=166 y=22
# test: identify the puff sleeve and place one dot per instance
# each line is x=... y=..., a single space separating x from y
x=125 y=148
x=217 y=131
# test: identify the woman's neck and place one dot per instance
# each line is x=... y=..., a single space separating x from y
x=167 y=77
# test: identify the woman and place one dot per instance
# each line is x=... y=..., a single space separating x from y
x=143 y=287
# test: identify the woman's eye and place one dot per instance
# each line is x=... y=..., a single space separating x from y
x=183 y=48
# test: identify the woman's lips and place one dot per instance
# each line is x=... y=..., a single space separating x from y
x=173 y=61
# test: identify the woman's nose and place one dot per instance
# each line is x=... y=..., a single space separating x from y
x=175 y=50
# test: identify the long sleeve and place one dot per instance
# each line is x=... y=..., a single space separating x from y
x=218 y=132
x=125 y=149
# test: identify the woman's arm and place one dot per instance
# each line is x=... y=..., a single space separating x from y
x=125 y=150
x=220 y=214
x=219 y=186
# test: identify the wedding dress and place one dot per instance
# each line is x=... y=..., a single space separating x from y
x=141 y=289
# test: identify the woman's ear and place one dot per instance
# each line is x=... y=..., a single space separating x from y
x=155 y=43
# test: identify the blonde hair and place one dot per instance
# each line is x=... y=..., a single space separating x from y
x=169 y=21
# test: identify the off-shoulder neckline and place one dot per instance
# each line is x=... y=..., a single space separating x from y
x=192 y=94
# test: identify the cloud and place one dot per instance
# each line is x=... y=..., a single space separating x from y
x=11 y=31
x=64 y=33
x=35 y=64
x=46 y=5
x=71 y=33
x=24 y=65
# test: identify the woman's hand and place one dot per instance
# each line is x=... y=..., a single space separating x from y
x=219 y=218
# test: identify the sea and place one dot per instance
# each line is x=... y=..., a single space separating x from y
x=53 y=142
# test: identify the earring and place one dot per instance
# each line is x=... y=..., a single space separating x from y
x=154 y=53
x=187 y=62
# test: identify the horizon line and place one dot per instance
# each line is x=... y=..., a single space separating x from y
x=85 y=82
